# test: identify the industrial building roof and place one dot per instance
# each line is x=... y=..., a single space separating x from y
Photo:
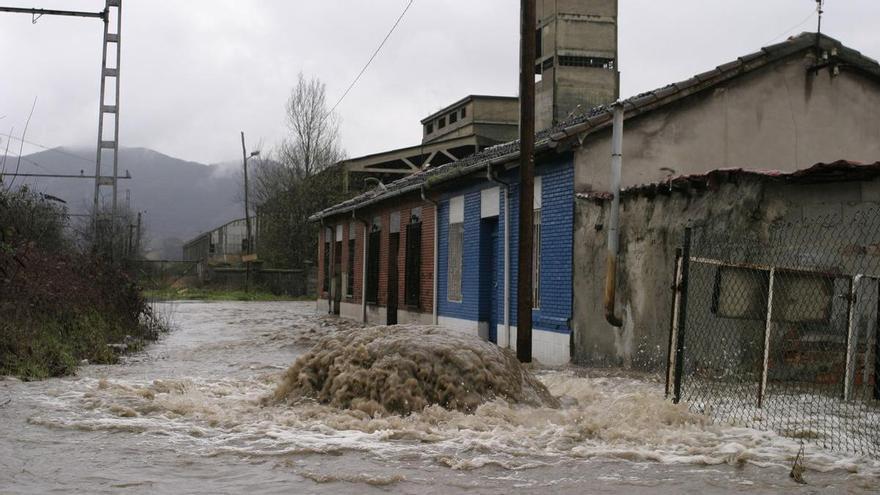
x=597 y=118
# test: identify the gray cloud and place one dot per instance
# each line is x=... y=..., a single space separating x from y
x=196 y=72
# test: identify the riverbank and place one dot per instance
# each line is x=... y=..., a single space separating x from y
x=187 y=294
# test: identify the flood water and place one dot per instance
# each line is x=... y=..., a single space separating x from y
x=188 y=416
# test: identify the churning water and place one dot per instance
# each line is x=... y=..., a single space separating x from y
x=209 y=410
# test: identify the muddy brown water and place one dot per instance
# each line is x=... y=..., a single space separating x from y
x=188 y=415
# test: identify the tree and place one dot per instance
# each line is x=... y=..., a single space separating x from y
x=313 y=142
x=301 y=178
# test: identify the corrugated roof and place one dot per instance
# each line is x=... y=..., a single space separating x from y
x=600 y=117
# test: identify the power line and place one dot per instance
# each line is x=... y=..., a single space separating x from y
x=373 y=57
x=53 y=150
x=798 y=25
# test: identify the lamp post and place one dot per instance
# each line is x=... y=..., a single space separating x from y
x=247 y=214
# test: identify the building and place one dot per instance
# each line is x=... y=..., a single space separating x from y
x=577 y=68
x=801 y=102
x=224 y=245
x=780 y=110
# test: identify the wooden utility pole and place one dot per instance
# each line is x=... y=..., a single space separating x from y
x=527 y=180
x=247 y=217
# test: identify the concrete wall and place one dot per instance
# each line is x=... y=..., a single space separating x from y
x=576 y=30
x=778 y=118
x=651 y=230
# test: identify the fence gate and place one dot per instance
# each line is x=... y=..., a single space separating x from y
x=779 y=331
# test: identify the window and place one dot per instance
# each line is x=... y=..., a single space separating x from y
x=374 y=247
x=453 y=117
x=349 y=283
x=413 y=261
x=429 y=128
x=536 y=261
x=464 y=112
x=455 y=250
x=441 y=123
x=740 y=293
x=326 y=258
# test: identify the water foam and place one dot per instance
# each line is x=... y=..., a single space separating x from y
x=404 y=369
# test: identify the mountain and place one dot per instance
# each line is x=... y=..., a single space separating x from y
x=179 y=198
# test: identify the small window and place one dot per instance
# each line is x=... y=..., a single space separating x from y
x=464 y=112
x=453 y=118
x=441 y=123
x=429 y=128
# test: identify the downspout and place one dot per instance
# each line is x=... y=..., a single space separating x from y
x=363 y=266
x=434 y=313
x=614 y=229
x=506 y=188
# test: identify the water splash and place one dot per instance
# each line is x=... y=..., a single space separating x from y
x=404 y=369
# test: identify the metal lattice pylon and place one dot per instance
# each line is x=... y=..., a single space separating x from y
x=109 y=106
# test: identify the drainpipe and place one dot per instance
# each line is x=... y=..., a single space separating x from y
x=435 y=314
x=614 y=229
x=363 y=265
x=490 y=175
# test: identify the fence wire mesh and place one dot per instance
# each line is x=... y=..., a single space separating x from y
x=779 y=330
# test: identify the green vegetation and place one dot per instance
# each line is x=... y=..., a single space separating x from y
x=170 y=294
x=59 y=303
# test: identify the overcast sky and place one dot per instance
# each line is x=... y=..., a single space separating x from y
x=196 y=72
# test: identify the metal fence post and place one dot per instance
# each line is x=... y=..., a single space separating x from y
x=682 y=316
x=673 y=323
x=768 y=327
x=852 y=339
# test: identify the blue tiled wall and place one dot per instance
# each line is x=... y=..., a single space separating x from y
x=556 y=249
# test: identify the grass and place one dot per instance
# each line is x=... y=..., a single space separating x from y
x=46 y=347
x=170 y=294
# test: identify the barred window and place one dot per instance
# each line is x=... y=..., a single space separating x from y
x=375 y=245
x=327 y=236
x=456 y=250
x=413 y=261
x=536 y=261
x=352 y=236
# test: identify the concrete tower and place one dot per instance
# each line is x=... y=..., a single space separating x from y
x=577 y=58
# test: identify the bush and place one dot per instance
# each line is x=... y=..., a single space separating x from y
x=59 y=306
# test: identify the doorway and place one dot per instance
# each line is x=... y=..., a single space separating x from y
x=489 y=281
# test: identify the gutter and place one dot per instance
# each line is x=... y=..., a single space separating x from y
x=454 y=173
x=614 y=229
x=434 y=314
x=506 y=188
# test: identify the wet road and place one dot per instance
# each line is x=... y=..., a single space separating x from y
x=187 y=416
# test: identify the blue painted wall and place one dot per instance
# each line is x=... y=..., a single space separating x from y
x=557 y=233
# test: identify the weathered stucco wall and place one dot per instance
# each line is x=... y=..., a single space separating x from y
x=777 y=118
x=651 y=230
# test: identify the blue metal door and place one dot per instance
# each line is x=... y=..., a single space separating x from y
x=490 y=277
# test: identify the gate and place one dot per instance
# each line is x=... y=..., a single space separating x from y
x=779 y=331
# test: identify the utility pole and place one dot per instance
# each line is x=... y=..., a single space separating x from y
x=527 y=179
x=247 y=214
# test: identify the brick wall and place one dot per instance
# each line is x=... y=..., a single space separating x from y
x=427 y=255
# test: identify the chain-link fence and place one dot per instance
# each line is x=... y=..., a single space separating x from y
x=778 y=330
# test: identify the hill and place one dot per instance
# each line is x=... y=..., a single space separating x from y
x=179 y=198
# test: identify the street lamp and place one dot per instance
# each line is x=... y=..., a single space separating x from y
x=247 y=213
